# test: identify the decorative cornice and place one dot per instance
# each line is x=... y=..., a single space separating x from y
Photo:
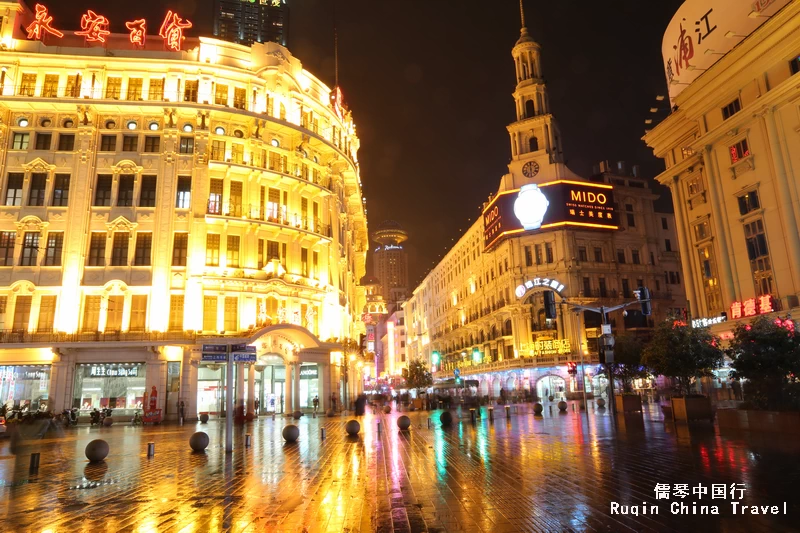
x=121 y=224
x=38 y=165
x=31 y=223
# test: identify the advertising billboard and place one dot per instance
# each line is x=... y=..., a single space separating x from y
x=549 y=205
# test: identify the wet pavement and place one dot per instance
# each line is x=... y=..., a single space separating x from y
x=551 y=473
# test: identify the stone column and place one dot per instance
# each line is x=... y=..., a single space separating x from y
x=288 y=386
x=717 y=210
x=251 y=389
x=239 y=385
x=296 y=404
x=687 y=256
x=327 y=388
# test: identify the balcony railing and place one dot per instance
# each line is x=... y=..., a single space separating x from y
x=259 y=214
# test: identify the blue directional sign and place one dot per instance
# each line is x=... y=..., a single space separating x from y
x=215 y=357
x=241 y=348
x=215 y=348
x=457 y=372
x=243 y=353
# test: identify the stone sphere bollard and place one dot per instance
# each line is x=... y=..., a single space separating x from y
x=291 y=433
x=551 y=397
x=562 y=406
x=352 y=427
x=297 y=414
x=96 y=451
x=331 y=412
x=199 y=441
x=537 y=409
x=404 y=423
x=204 y=418
x=601 y=403
x=446 y=418
x=108 y=421
x=95 y=471
x=387 y=409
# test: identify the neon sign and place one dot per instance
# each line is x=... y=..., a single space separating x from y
x=545 y=347
x=94 y=27
x=547 y=283
x=138 y=30
x=41 y=24
x=705 y=322
x=752 y=307
x=172 y=30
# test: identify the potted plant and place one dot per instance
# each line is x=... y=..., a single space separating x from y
x=418 y=378
x=684 y=354
x=627 y=366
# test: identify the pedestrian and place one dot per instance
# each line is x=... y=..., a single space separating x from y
x=333 y=401
x=316 y=403
x=256 y=404
x=737 y=389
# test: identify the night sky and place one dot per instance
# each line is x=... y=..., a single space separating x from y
x=430 y=84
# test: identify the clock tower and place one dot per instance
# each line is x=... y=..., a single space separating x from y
x=535 y=138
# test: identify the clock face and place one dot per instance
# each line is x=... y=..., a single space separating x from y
x=530 y=169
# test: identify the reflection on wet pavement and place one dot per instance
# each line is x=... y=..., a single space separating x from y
x=556 y=473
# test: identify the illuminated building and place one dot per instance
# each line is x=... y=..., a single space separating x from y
x=157 y=200
x=390 y=260
x=252 y=21
x=591 y=241
x=731 y=148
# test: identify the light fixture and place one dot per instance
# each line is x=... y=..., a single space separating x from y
x=132 y=125
x=188 y=128
x=275 y=142
x=660 y=98
x=45 y=122
x=23 y=122
x=153 y=126
x=219 y=130
x=238 y=134
x=654 y=110
x=648 y=121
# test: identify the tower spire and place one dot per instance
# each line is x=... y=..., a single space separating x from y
x=522 y=13
x=335 y=48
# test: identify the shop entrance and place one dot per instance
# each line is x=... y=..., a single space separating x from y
x=554 y=386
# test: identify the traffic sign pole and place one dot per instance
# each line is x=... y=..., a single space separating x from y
x=229 y=402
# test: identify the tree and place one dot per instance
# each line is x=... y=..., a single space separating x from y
x=683 y=353
x=418 y=375
x=766 y=353
x=627 y=364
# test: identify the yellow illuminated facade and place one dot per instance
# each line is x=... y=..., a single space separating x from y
x=152 y=199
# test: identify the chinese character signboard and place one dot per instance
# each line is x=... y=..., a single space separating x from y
x=544 y=283
x=550 y=205
x=702 y=31
x=752 y=307
x=545 y=348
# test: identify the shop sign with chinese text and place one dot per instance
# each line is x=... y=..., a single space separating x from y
x=754 y=306
x=545 y=348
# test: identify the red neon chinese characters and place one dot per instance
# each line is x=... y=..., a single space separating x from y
x=749 y=307
x=736 y=310
x=138 y=31
x=41 y=24
x=765 y=304
x=172 y=30
x=94 y=26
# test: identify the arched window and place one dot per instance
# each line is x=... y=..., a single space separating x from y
x=482 y=337
x=540 y=104
x=529 y=109
x=507 y=328
x=282 y=112
x=534 y=144
x=524 y=63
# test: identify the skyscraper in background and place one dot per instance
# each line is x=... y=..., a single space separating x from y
x=252 y=21
x=391 y=261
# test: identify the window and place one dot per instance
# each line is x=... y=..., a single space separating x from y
x=235 y=199
x=116 y=305
x=130 y=143
x=184 y=198
x=548 y=252
x=652 y=258
x=731 y=109
x=108 y=143
x=138 y=319
x=27 y=85
x=97 y=249
x=38 y=186
x=218 y=150
x=55 y=247
x=304 y=262
x=747 y=202
x=134 y=89
x=125 y=191
x=210 y=313
x=114 y=88
x=635 y=259
x=175 y=312
x=621 y=257
x=147 y=192
x=66 y=142
x=528 y=256
x=144 y=243
x=664 y=224
x=626 y=288
x=7 y=240
x=739 y=150
x=190 y=90
x=273 y=251
x=44 y=141
x=20 y=141
x=261 y=259
x=119 y=248
x=538 y=251
x=156 y=89
x=212 y=249
x=239 y=98
x=50 y=87
x=102 y=193
x=631 y=220
x=73 y=86
x=582 y=256
x=758 y=253
x=277 y=162
x=215 y=197
x=315 y=265
x=152 y=144
x=237 y=153
x=47 y=313
x=273 y=203
x=187 y=145
x=91 y=314
x=587 y=286
x=221 y=94
x=22 y=312
x=794 y=65
x=701 y=231
x=231 y=313
x=602 y=285
x=14 y=189
x=667 y=245
x=598 y=255
x=180 y=247
x=232 y=251
x=30 y=249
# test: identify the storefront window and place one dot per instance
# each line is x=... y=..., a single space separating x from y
x=211 y=389
x=25 y=387
x=309 y=384
x=114 y=386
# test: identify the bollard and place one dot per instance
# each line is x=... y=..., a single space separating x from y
x=322 y=433
x=551 y=410
x=151 y=449
x=429 y=423
x=273 y=415
x=573 y=407
x=472 y=415
x=508 y=411
x=34 y=462
x=314 y=414
x=491 y=414
x=248 y=439
x=180 y=421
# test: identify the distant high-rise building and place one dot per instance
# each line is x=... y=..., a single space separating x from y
x=391 y=261
x=252 y=21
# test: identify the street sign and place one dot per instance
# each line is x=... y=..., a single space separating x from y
x=241 y=348
x=457 y=372
x=215 y=348
x=606 y=329
x=241 y=357
x=215 y=357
